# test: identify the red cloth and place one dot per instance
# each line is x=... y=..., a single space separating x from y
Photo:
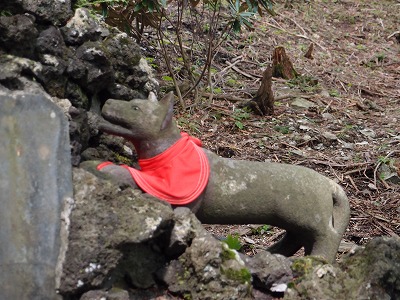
x=178 y=175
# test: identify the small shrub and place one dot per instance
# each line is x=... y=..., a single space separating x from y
x=213 y=21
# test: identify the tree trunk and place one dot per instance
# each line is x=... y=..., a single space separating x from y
x=263 y=101
x=282 y=65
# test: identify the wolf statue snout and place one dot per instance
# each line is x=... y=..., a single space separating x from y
x=313 y=209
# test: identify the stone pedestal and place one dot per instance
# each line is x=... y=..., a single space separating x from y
x=35 y=181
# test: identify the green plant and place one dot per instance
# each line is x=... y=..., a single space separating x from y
x=305 y=83
x=384 y=146
x=380 y=57
x=151 y=62
x=385 y=160
x=361 y=47
x=233 y=242
x=334 y=93
x=239 y=124
x=187 y=296
x=5 y=13
x=123 y=159
x=185 y=121
x=282 y=129
x=239 y=115
x=232 y=82
x=242 y=275
x=261 y=229
x=358 y=158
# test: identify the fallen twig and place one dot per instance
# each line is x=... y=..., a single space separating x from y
x=242 y=72
x=378 y=165
x=333 y=164
x=352 y=183
x=354 y=171
x=298 y=35
x=393 y=34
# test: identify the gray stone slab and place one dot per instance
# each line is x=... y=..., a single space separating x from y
x=35 y=180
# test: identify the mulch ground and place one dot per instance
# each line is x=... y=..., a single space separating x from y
x=341 y=117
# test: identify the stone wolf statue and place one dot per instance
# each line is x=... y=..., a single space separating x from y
x=313 y=209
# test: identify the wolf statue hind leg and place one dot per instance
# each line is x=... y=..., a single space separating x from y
x=328 y=244
x=312 y=209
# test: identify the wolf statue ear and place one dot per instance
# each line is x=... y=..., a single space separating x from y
x=168 y=104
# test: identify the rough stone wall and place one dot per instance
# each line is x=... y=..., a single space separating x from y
x=45 y=47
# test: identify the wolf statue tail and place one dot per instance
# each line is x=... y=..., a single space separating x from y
x=341 y=210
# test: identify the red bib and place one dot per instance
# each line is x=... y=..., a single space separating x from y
x=178 y=175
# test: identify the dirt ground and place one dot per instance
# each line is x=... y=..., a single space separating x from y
x=341 y=118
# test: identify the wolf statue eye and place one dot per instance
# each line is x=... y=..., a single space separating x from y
x=135 y=108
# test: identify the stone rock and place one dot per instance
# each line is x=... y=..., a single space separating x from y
x=51 y=75
x=12 y=6
x=108 y=226
x=79 y=132
x=59 y=14
x=35 y=184
x=81 y=28
x=53 y=55
x=21 y=86
x=152 y=85
x=208 y=270
x=113 y=294
x=91 y=67
x=389 y=172
x=50 y=41
x=329 y=136
x=124 y=55
x=269 y=271
x=368 y=132
x=369 y=273
x=12 y=68
x=76 y=95
x=18 y=35
x=122 y=92
x=120 y=153
x=45 y=11
x=375 y=270
x=138 y=79
x=302 y=103
x=139 y=264
x=79 y=62
x=186 y=228
x=94 y=295
x=12 y=76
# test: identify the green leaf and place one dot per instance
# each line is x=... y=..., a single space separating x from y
x=217 y=90
x=239 y=125
x=138 y=7
x=236 y=26
x=150 y=6
x=282 y=129
x=167 y=78
x=233 y=242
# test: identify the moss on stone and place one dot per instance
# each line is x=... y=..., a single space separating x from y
x=242 y=275
x=227 y=254
x=123 y=159
x=304 y=265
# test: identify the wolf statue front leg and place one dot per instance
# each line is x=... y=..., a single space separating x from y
x=313 y=209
